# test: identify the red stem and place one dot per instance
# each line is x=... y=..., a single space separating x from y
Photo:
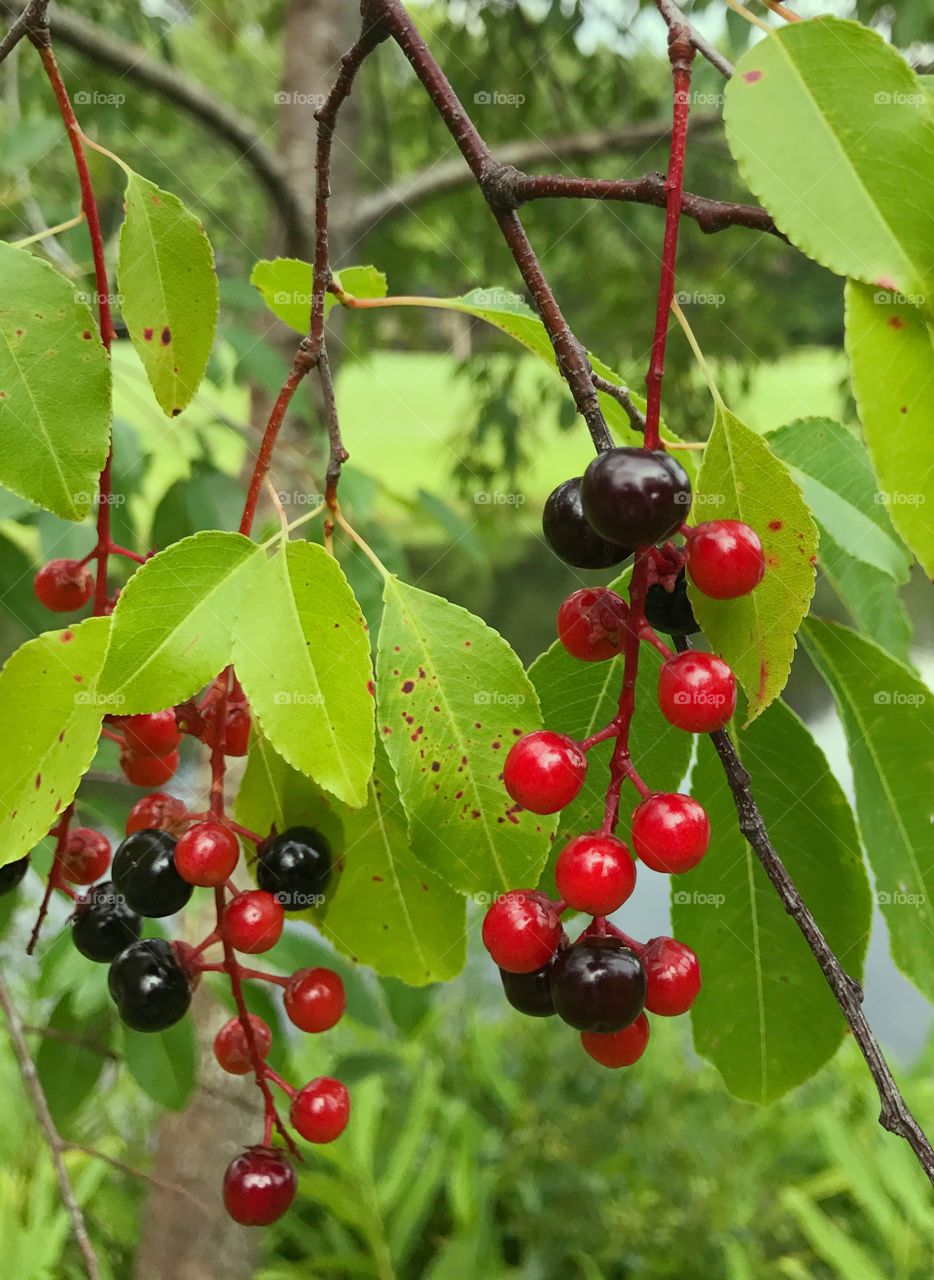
x=60 y=831
x=300 y=367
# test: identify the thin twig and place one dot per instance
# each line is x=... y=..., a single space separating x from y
x=40 y=1106
x=121 y=1167
x=672 y=14
x=621 y=396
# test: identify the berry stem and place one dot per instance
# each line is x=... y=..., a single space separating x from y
x=60 y=832
x=283 y=1084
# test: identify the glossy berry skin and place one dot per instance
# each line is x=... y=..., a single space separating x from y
x=148 y=771
x=253 y=922
x=296 y=867
x=598 y=984
x=259 y=1186
x=144 y=872
x=12 y=874
x=592 y=624
x=315 y=999
x=154 y=735
x=530 y=993
x=148 y=985
x=635 y=497
x=156 y=810
x=522 y=930
x=321 y=1110
x=570 y=536
x=670 y=832
x=86 y=856
x=207 y=854
x=696 y=692
x=104 y=925
x=544 y=771
x=724 y=559
x=236 y=731
x=673 y=976
x=670 y=611
x=618 y=1048
x=595 y=874
x=64 y=585
x=231 y=1047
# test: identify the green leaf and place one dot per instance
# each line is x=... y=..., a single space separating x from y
x=164 y=1065
x=888 y=718
x=452 y=698
x=765 y=1016
x=870 y=597
x=741 y=479
x=51 y=703
x=285 y=286
x=388 y=910
x=173 y=624
x=856 y=137
x=169 y=291
x=578 y=698
x=833 y=470
x=69 y=1063
x=891 y=350
x=303 y=657
x=54 y=388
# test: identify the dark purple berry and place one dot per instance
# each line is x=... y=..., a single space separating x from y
x=104 y=925
x=295 y=867
x=148 y=985
x=598 y=985
x=670 y=611
x=144 y=872
x=635 y=497
x=570 y=536
x=12 y=874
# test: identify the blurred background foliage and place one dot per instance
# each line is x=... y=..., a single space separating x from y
x=482 y=1144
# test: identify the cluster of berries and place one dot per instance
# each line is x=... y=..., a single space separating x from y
x=628 y=501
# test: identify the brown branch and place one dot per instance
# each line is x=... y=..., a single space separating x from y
x=622 y=397
x=895 y=1115
x=32 y=21
x=672 y=14
x=57 y=1147
x=130 y=1172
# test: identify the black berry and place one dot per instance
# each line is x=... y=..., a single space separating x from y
x=148 y=986
x=12 y=874
x=598 y=985
x=635 y=497
x=144 y=872
x=570 y=536
x=295 y=867
x=530 y=993
x=670 y=611
x=104 y=925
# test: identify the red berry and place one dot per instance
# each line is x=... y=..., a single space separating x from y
x=724 y=559
x=696 y=692
x=259 y=1186
x=159 y=811
x=64 y=585
x=154 y=735
x=236 y=731
x=544 y=771
x=321 y=1110
x=207 y=854
x=148 y=771
x=232 y=1049
x=592 y=624
x=618 y=1048
x=521 y=930
x=315 y=999
x=86 y=855
x=253 y=922
x=595 y=874
x=673 y=976
x=670 y=832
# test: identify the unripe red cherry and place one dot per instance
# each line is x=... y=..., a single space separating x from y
x=592 y=624
x=618 y=1048
x=259 y=1186
x=253 y=922
x=544 y=771
x=696 y=692
x=232 y=1049
x=595 y=874
x=522 y=930
x=670 y=832
x=156 y=734
x=672 y=974
x=148 y=771
x=85 y=857
x=724 y=558
x=321 y=1110
x=236 y=730
x=64 y=585
x=159 y=811
x=207 y=854
x=315 y=999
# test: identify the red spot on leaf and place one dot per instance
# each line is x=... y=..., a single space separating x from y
x=752 y=76
x=896 y=322
x=776 y=525
x=87 y=335
x=66 y=636
x=38 y=781
x=435 y=766
x=165 y=336
x=903 y=409
x=763 y=678
x=147 y=334
x=371 y=688
x=496 y=746
x=377 y=879
x=408 y=686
